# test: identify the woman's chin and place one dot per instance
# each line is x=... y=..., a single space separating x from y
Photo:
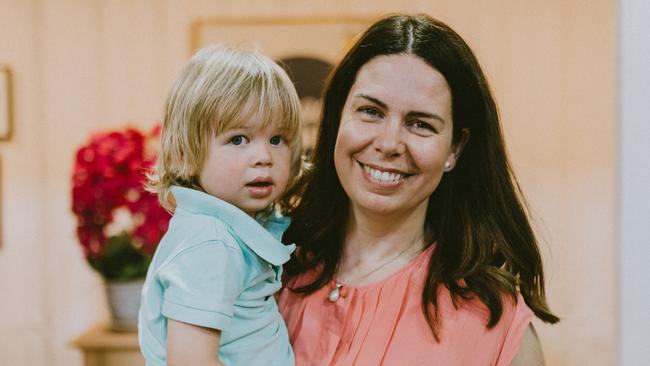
x=389 y=207
x=383 y=208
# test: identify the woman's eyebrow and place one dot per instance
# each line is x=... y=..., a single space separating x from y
x=372 y=99
x=416 y=114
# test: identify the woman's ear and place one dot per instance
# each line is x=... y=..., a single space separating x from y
x=457 y=149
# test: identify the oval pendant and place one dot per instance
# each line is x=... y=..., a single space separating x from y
x=336 y=293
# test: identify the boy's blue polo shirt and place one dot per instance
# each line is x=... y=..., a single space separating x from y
x=218 y=268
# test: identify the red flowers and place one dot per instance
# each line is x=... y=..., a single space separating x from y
x=108 y=197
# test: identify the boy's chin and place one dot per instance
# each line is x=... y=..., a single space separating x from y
x=254 y=208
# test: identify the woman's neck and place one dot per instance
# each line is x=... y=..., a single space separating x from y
x=371 y=238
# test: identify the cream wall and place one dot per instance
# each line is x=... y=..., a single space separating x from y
x=85 y=65
x=23 y=289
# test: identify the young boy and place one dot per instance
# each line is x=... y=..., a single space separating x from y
x=230 y=148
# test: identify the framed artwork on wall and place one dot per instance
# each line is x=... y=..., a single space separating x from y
x=306 y=47
x=6 y=112
x=281 y=37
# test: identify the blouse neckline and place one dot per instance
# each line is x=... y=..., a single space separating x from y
x=415 y=262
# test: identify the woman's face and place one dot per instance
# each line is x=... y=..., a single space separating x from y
x=395 y=136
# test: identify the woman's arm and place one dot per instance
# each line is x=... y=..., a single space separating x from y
x=530 y=350
x=189 y=344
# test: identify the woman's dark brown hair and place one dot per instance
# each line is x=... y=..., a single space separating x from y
x=485 y=245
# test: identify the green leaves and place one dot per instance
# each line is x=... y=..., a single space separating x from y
x=121 y=261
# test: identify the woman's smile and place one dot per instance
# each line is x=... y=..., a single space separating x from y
x=383 y=176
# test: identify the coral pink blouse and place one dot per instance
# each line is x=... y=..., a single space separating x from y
x=383 y=324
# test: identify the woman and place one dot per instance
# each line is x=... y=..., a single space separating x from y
x=413 y=243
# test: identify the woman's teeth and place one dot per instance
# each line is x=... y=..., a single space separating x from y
x=384 y=177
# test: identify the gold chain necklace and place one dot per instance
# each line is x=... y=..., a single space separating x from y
x=335 y=294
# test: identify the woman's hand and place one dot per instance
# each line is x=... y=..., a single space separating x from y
x=189 y=344
x=530 y=350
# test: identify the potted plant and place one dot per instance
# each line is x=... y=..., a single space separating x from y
x=119 y=223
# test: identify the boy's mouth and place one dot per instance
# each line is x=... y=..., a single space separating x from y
x=260 y=187
x=261 y=182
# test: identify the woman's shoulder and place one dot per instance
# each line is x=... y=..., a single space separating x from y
x=513 y=308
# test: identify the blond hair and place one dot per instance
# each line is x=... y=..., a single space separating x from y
x=220 y=88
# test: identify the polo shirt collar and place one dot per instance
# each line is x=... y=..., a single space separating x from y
x=250 y=231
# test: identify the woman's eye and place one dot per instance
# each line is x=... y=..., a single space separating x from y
x=370 y=111
x=423 y=126
x=238 y=140
x=276 y=140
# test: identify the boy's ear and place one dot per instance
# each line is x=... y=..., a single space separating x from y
x=171 y=200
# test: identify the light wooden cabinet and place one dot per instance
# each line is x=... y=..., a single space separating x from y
x=103 y=347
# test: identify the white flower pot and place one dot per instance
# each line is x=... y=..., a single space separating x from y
x=124 y=304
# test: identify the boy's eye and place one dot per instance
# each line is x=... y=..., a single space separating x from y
x=238 y=140
x=276 y=140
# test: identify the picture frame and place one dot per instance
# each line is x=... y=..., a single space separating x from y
x=6 y=104
x=281 y=36
x=307 y=47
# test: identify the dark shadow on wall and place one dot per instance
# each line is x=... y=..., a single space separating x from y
x=308 y=75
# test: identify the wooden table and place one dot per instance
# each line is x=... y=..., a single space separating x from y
x=103 y=347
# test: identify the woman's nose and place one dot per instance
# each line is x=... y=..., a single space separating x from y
x=389 y=139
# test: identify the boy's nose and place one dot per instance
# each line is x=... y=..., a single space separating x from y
x=262 y=156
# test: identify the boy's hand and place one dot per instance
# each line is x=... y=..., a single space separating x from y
x=189 y=344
